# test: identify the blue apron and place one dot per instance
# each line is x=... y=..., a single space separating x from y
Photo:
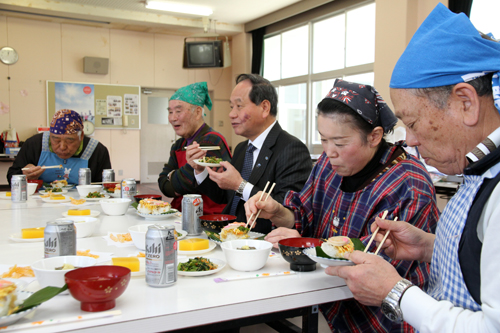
x=70 y=168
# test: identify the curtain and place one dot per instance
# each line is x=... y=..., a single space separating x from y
x=257 y=50
x=460 y=6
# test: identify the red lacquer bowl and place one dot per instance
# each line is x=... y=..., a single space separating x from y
x=215 y=222
x=140 y=197
x=97 y=287
x=291 y=251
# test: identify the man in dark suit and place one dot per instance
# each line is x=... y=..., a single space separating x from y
x=274 y=155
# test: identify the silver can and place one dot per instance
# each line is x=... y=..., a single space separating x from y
x=108 y=175
x=161 y=255
x=129 y=188
x=192 y=209
x=19 y=188
x=60 y=239
x=84 y=176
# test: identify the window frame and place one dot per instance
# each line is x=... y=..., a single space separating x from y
x=310 y=78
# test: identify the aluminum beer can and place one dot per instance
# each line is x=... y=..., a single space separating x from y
x=19 y=188
x=161 y=255
x=192 y=209
x=129 y=188
x=60 y=239
x=84 y=176
x=108 y=175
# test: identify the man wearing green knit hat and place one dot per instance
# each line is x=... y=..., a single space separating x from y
x=185 y=114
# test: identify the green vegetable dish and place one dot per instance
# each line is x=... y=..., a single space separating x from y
x=211 y=159
x=198 y=264
x=94 y=195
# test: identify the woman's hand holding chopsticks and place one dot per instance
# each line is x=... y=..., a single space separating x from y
x=270 y=209
x=405 y=242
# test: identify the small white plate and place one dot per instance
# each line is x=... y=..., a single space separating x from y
x=311 y=253
x=19 y=239
x=45 y=192
x=7 y=320
x=95 y=199
x=3 y=195
x=220 y=265
x=251 y=234
x=183 y=234
x=171 y=213
x=66 y=199
x=213 y=165
x=93 y=213
x=211 y=246
x=67 y=187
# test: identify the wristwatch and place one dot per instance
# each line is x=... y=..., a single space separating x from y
x=239 y=191
x=391 y=303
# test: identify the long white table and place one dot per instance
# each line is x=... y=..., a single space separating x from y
x=190 y=302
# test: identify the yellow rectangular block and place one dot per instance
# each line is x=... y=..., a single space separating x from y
x=131 y=263
x=32 y=232
x=79 y=212
x=8 y=194
x=57 y=197
x=193 y=244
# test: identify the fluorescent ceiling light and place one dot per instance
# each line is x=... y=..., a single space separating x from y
x=179 y=8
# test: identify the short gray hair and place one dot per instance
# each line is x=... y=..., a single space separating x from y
x=439 y=96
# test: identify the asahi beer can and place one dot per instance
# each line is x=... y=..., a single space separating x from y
x=19 y=188
x=108 y=175
x=192 y=209
x=60 y=239
x=161 y=255
x=84 y=176
x=129 y=188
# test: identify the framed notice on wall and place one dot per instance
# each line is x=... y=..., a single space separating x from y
x=105 y=105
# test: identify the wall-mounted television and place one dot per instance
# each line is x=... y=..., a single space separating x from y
x=202 y=54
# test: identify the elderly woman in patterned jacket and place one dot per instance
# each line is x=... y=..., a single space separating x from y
x=357 y=178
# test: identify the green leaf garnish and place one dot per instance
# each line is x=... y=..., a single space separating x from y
x=213 y=235
x=39 y=297
x=243 y=229
x=134 y=204
x=358 y=246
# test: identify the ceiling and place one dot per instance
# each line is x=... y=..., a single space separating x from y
x=229 y=16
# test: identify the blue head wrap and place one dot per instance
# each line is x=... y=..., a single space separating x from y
x=447 y=49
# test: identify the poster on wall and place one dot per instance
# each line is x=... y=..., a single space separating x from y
x=114 y=106
x=131 y=104
x=102 y=104
x=78 y=97
x=100 y=107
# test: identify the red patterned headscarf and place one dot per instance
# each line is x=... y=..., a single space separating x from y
x=365 y=101
x=66 y=122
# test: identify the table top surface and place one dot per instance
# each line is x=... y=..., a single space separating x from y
x=191 y=301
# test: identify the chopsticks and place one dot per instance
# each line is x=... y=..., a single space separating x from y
x=260 y=199
x=47 y=167
x=375 y=233
x=383 y=239
x=99 y=183
x=206 y=148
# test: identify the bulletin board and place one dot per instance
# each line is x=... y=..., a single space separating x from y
x=107 y=106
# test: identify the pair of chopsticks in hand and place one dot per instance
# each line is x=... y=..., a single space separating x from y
x=375 y=233
x=260 y=199
x=47 y=167
x=207 y=148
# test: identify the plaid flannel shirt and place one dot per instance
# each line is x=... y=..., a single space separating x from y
x=405 y=190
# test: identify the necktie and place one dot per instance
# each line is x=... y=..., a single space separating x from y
x=245 y=174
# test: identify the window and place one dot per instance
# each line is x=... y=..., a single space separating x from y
x=304 y=61
x=484 y=16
